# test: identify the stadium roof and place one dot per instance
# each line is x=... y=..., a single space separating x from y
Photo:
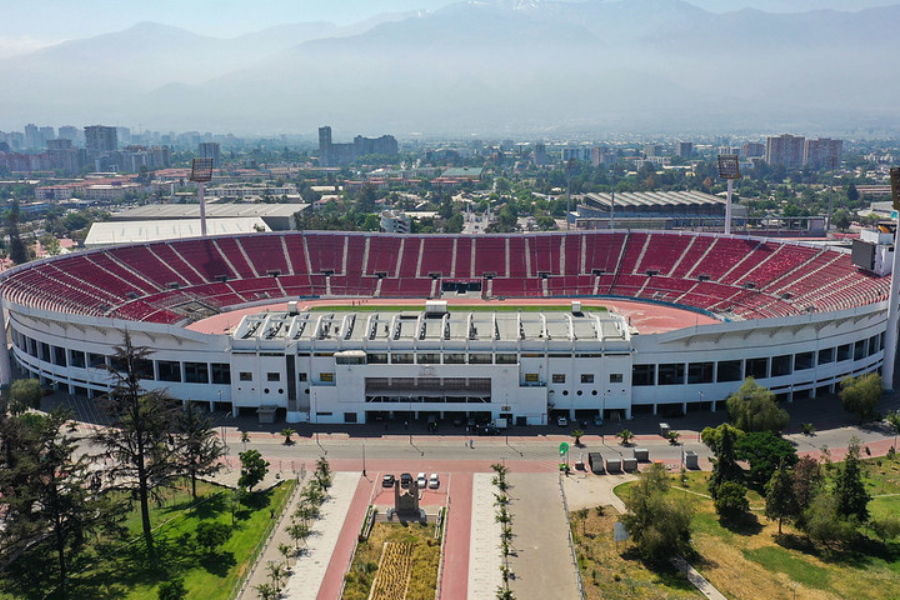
x=655 y=199
x=110 y=233
x=224 y=210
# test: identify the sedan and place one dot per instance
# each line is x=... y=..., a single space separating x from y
x=433 y=481
x=405 y=480
x=421 y=481
x=562 y=422
x=388 y=481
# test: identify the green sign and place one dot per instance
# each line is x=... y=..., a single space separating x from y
x=563 y=448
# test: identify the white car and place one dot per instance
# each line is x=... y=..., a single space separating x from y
x=433 y=481
x=562 y=421
x=421 y=481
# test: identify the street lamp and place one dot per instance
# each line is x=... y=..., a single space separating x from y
x=730 y=169
x=364 y=458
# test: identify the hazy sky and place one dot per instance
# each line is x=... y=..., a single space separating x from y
x=29 y=24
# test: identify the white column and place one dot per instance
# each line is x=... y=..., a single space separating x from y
x=5 y=369
x=890 y=338
x=728 y=207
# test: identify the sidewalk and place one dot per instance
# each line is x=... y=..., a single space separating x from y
x=484 y=543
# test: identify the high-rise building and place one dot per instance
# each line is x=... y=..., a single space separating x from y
x=325 y=146
x=823 y=153
x=47 y=134
x=338 y=155
x=32 y=137
x=68 y=132
x=100 y=140
x=684 y=149
x=211 y=150
x=652 y=150
x=785 y=150
x=753 y=150
x=385 y=144
x=540 y=154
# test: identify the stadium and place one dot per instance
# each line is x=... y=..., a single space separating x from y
x=338 y=327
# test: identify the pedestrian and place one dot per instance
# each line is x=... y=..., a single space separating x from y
x=471 y=443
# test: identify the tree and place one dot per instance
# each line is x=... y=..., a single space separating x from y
x=172 y=590
x=139 y=439
x=577 y=434
x=25 y=394
x=659 y=524
x=850 y=493
x=199 y=448
x=886 y=527
x=781 y=499
x=253 y=469
x=765 y=451
x=893 y=419
x=860 y=395
x=852 y=193
x=725 y=468
x=212 y=534
x=752 y=408
x=18 y=253
x=298 y=532
x=49 y=494
x=625 y=436
x=824 y=524
x=323 y=473
x=731 y=501
x=287 y=432
x=841 y=219
x=711 y=436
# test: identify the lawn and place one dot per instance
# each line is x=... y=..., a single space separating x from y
x=610 y=575
x=425 y=559
x=118 y=569
x=752 y=562
x=460 y=308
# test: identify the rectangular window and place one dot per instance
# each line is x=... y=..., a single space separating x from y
x=803 y=361
x=480 y=359
x=168 y=370
x=96 y=361
x=429 y=359
x=757 y=368
x=859 y=350
x=826 y=355
x=246 y=376
x=45 y=352
x=643 y=375
x=59 y=356
x=402 y=359
x=616 y=378
x=587 y=378
x=506 y=359
x=221 y=373
x=532 y=377
x=77 y=358
x=559 y=378
x=273 y=376
x=873 y=345
x=454 y=359
x=326 y=377
x=671 y=374
x=378 y=358
x=729 y=370
x=781 y=365
x=700 y=372
x=196 y=372
x=844 y=352
x=349 y=417
x=302 y=377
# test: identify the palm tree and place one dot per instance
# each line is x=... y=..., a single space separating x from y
x=287 y=432
x=626 y=436
x=577 y=435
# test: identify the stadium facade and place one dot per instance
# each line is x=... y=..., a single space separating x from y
x=797 y=318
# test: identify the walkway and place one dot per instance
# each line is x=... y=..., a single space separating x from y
x=454 y=578
x=342 y=552
x=484 y=543
x=309 y=571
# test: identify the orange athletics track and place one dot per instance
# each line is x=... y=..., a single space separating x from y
x=646 y=317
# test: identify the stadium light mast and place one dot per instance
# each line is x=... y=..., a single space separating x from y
x=201 y=174
x=890 y=338
x=730 y=169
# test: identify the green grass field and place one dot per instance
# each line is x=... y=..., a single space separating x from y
x=460 y=308
x=118 y=568
x=753 y=562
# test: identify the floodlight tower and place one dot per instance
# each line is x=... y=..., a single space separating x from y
x=890 y=338
x=730 y=169
x=201 y=174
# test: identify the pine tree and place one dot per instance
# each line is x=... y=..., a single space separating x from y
x=849 y=489
x=725 y=468
x=199 y=448
x=781 y=501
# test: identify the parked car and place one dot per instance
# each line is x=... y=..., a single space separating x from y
x=433 y=481
x=598 y=420
x=421 y=481
x=562 y=421
x=488 y=430
x=388 y=481
x=405 y=480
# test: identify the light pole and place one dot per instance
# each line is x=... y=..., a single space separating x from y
x=364 y=458
x=201 y=174
x=730 y=169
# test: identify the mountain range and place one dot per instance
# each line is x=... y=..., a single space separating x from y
x=487 y=67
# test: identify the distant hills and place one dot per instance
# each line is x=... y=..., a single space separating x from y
x=484 y=67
